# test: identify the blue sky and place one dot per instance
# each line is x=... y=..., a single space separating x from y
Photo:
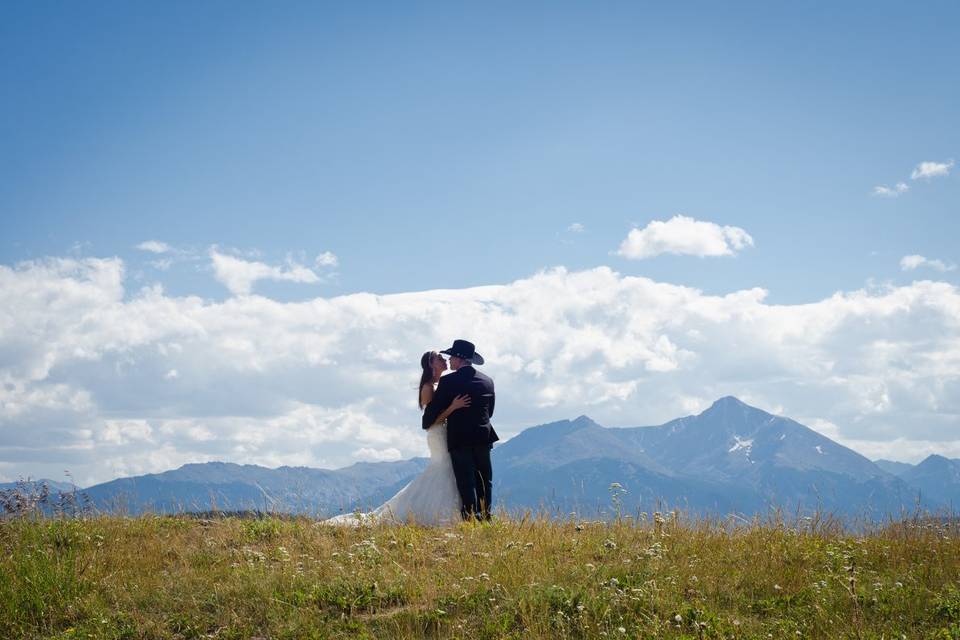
x=304 y=152
x=395 y=136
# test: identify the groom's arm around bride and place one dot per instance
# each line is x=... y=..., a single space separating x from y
x=469 y=425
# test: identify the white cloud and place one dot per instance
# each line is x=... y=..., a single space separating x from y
x=239 y=275
x=19 y=397
x=891 y=192
x=683 y=235
x=924 y=170
x=326 y=259
x=161 y=265
x=85 y=365
x=911 y=262
x=928 y=170
x=378 y=455
x=125 y=431
x=576 y=227
x=154 y=246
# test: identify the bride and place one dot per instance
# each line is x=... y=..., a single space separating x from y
x=431 y=497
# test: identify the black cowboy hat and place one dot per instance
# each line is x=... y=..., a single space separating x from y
x=465 y=350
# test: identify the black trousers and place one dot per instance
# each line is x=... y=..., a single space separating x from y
x=474 y=474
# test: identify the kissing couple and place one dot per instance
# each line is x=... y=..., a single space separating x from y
x=458 y=480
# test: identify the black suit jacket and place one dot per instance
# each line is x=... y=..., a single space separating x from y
x=469 y=426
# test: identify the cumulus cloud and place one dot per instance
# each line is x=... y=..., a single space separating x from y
x=86 y=382
x=911 y=262
x=891 y=192
x=683 y=235
x=239 y=275
x=928 y=170
x=154 y=246
x=125 y=431
x=378 y=455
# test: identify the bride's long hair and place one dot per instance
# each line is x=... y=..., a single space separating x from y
x=426 y=364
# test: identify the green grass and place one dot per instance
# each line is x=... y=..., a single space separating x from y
x=167 y=577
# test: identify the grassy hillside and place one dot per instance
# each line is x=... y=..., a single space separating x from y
x=169 y=577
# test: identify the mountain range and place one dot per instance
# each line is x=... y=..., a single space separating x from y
x=34 y=485
x=226 y=486
x=731 y=458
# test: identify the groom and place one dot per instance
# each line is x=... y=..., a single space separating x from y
x=470 y=436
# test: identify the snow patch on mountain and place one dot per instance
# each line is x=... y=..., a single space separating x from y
x=742 y=444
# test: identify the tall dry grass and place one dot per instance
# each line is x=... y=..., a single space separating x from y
x=523 y=577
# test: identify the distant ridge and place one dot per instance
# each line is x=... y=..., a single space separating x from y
x=53 y=485
x=937 y=479
x=892 y=466
x=226 y=486
x=732 y=457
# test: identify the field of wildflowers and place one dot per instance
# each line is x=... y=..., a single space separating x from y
x=521 y=577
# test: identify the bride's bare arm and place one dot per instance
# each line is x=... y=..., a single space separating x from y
x=426 y=394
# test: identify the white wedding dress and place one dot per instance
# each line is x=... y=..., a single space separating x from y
x=431 y=498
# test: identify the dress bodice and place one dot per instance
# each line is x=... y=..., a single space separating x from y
x=437 y=441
